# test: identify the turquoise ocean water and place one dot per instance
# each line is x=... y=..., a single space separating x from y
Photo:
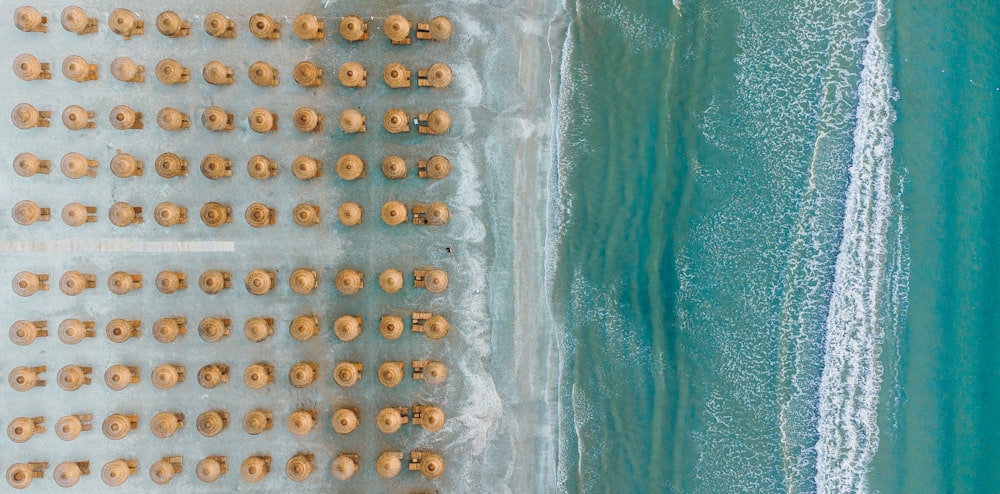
x=777 y=231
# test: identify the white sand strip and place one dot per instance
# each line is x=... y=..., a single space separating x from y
x=114 y=246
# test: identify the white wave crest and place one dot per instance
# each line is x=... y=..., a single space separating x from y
x=852 y=371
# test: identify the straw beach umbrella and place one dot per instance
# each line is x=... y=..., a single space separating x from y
x=431 y=418
x=350 y=167
x=170 y=165
x=440 y=28
x=304 y=327
x=301 y=422
x=28 y=212
x=303 y=281
x=77 y=69
x=255 y=468
x=73 y=214
x=125 y=165
x=307 y=74
x=390 y=419
x=352 y=121
x=347 y=327
x=352 y=28
x=436 y=327
x=349 y=281
x=394 y=168
x=219 y=26
x=396 y=121
x=435 y=281
x=436 y=122
x=352 y=74
x=347 y=374
x=390 y=374
x=397 y=29
x=258 y=329
x=300 y=467
x=391 y=327
x=308 y=27
x=389 y=463
x=438 y=76
x=344 y=466
x=394 y=213
x=209 y=469
x=350 y=214
x=345 y=420
x=396 y=75
x=257 y=421
x=28 y=164
x=391 y=280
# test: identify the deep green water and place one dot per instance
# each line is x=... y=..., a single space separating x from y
x=776 y=233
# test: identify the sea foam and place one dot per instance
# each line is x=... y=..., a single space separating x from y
x=852 y=371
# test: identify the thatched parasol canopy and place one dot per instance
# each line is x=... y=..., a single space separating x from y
x=218 y=73
x=213 y=281
x=259 y=281
x=170 y=71
x=306 y=167
x=346 y=374
x=258 y=375
x=161 y=472
x=67 y=474
x=75 y=165
x=389 y=420
x=438 y=167
x=120 y=283
x=170 y=281
x=440 y=28
x=308 y=27
x=262 y=120
x=431 y=465
x=255 y=468
x=257 y=329
x=27 y=212
x=256 y=422
x=170 y=165
x=219 y=26
x=352 y=28
x=347 y=327
x=214 y=166
x=124 y=118
x=397 y=28
x=264 y=27
x=73 y=283
x=436 y=327
x=127 y=70
x=301 y=422
x=432 y=419
x=72 y=377
x=350 y=167
x=391 y=327
x=303 y=281
x=212 y=422
x=258 y=215
x=438 y=121
x=349 y=281
x=28 y=164
x=165 y=424
x=302 y=374
x=166 y=376
x=435 y=372
x=125 y=165
x=352 y=121
x=26 y=116
x=167 y=329
x=299 y=467
x=75 y=20
x=208 y=469
x=69 y=427
x=116 y=472
x=304 y=327
x=394 y=213
x=396 y=75
x=73 y=331
x=345 y=420
x=394 y=168
x=343 y=467
x=76 y=68
x=118 y=377
x=213 y=329
x=391 y=280
x=307 y=120
x=307 y=74
x=352 y=74
x=390 y=374
x=75 y=214
x=350 y=214
x=388 y=464
x=436 y=281
x=169 y=24
x=439 y=75
x=396 y=121
x=437 y=213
